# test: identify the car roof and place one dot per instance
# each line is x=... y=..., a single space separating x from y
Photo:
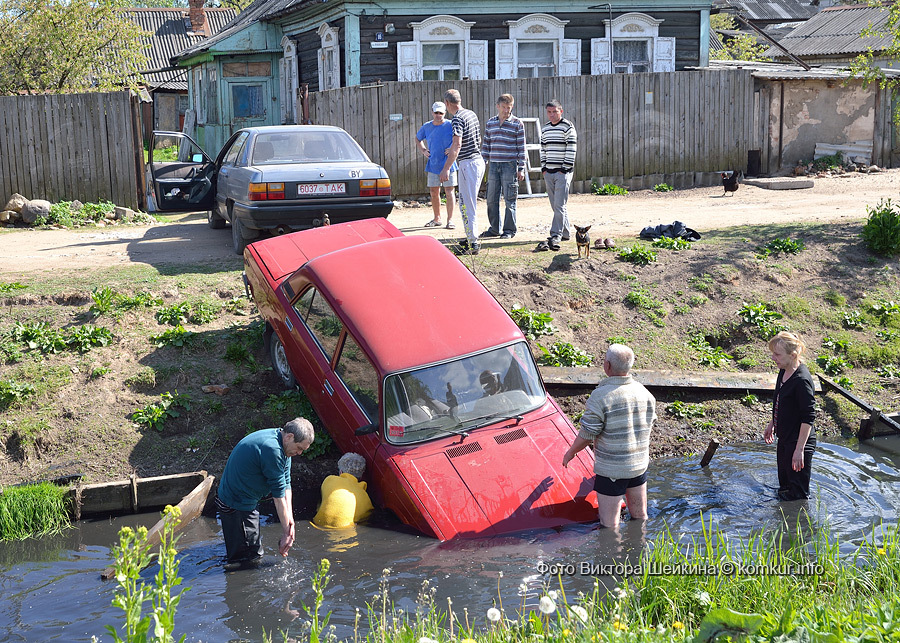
x=274 y=129
x=411 y=302
x=282 y=255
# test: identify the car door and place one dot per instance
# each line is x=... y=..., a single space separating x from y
x=229 y=164
x=182 y=176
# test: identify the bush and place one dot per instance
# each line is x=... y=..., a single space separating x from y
x=607 y=189
x=882 y=231
x=564 y=354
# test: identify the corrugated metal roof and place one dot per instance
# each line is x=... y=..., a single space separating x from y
x=837 y=30
x=785 y=71
x=172 y=80
x=771 y=10
x=259 y=10
x=170 y=30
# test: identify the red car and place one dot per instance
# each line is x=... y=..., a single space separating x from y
x=411 y=362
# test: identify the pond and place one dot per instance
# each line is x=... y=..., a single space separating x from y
x=52 y=591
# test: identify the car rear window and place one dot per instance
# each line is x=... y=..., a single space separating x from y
x=313 y=146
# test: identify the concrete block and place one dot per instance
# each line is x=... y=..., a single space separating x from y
x=781 y=183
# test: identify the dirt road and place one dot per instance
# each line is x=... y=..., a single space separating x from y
x=189 y=241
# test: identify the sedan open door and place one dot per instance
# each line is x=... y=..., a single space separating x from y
x=183 y=177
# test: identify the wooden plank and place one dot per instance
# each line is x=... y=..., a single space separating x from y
x=42 y=170
x=191 y=506
x=587 y=377
x=108 y=128
x=875 y=414
x=7 y=173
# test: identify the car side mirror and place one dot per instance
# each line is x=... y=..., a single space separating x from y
x=367 y=429
x=197 y=158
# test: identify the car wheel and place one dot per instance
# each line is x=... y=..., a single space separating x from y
x=280 y=362
x=237 y=235
x=214 y=220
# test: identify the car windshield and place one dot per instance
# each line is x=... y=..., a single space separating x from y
x=456 y=397
x=318 y=146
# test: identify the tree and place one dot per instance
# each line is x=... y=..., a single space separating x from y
x=740 y=47
x=61 y=46
x=864 y=67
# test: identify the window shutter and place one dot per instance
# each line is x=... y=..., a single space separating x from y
x=408 y=66
x=476 y=60
x=570 y=58
x=321 y=55
x=664 y=54
x=600 y=56
x=335 y=71
x=505 y=59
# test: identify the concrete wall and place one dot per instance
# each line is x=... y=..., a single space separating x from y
x=801 y=113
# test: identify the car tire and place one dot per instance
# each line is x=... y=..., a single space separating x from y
x=214 y=220
x=237 y=235
x=280 y=362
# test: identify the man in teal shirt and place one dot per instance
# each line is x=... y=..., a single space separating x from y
x=260 y=465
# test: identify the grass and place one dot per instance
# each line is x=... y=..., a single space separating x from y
x=32 y=510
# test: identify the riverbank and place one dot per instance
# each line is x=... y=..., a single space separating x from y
x=70 y=408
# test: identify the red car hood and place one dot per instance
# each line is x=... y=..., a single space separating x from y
x=498 y=481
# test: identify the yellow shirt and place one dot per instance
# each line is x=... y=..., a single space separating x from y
x=344 y=502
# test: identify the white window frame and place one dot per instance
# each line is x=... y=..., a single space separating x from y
x=329 y=58
x=289 y=80
x=537 y=27
x=633 y=26
x=441 y=30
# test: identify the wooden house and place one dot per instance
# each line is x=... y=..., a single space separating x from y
x=249 y=73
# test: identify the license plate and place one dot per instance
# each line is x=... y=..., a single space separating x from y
x=321 y=188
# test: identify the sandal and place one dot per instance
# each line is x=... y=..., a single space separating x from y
x=609 y=243
x=433 y=224
x=450 y=225
x=543 y=246
x=553 y=245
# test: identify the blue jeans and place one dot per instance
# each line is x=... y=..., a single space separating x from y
x=502 y=178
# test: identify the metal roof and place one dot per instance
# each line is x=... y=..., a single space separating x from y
x=171 y=80
x=771 y=10
x=786 y=71
x=836 y=30
x=170 y=31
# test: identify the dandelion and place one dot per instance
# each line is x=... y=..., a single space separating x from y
x=500 y=574
x=580 y=612
x=547 y=605
x=565 y=633
x=881 y=551
x=523 y=588
x=620 y=593
x=552 y=594
x=677 y=625
x=493 y=615
x=703 y=598
x=619 y=625
x=467 y=641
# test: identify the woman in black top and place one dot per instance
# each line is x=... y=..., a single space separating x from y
x=793 y=414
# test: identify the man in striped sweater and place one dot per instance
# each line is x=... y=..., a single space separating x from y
x=466 y=152
x=504 y=151
x=559 y=143
x=617 y=419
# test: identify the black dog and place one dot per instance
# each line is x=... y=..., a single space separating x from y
x=583 y=241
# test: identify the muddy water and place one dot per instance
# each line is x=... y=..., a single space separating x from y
x=50 y=588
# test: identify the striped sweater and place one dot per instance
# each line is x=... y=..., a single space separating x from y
x=504 y=142
x=467 y=126
x=558 y=146
x=618 y=417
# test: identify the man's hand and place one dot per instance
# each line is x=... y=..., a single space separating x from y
x=769 y=433
x=520 y=175
x=287 y=540
x=426 y=153
x=444 y=176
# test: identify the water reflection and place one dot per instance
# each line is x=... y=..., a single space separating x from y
x=51 y=590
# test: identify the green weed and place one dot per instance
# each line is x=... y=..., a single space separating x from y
x=853 y=320
x=888 y=371
x=154 y=415
x=834 y=298
x=701 y=283
x=39 y=336
x=885 y=312
x=143 y=380
x=663 y=187
x=708 y=355
x=84 y=338
x=607 y=189
x=683 y=410
x=780 y=246
x=177 y=336
x=750 y=400
x=695 y=301
x=329 y=326
x=836 y=345
x=138 y=300
x=882 y=230
x=99 y=371
x=9 y=288
x=10 y=353
x=532 y=324
x=239 y=355
x=844 y=382
x=104 y=300
x=564 y=354
x=12 y=392
x=887 y=335
x=203 y=312
x=670 y=243
x=638 y=255
x=175 y=314
x=832 y=365
x=644 y=301
x=762 y=318
x=33 y=510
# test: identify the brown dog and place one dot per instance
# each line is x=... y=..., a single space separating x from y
x=583 y=241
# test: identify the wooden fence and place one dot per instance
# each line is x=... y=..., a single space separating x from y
x=71 y=146
x=633 y=129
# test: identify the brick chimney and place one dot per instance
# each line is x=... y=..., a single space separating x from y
x=197 y=14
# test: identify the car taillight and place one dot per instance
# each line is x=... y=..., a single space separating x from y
x=384 y=187
x=266 y=191
x=367 y=187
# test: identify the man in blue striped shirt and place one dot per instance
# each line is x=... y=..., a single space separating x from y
x=504 y=151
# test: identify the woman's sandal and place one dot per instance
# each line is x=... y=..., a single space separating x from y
x=433 y=224
x=450 y=225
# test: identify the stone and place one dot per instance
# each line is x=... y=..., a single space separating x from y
x=16 y=203
x=218 y=389
x=398 y=205
x=34 y=209
x=874 y=168
x=76 y=205
x=7 y=215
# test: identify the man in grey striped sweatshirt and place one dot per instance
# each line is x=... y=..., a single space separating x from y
x=618 y=418
x=559 y=143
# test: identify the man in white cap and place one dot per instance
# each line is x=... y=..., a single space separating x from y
x=433 y=140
